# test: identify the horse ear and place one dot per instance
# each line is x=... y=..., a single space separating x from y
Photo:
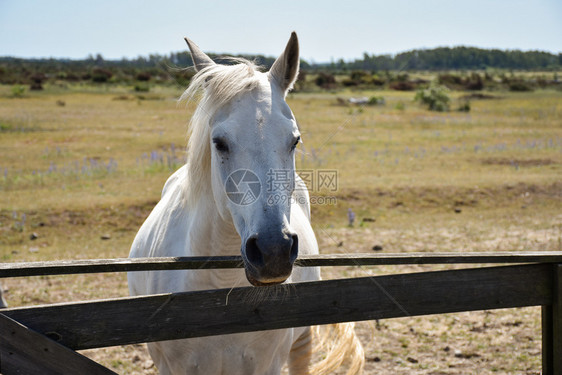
x=286 y=68
x=200 y=59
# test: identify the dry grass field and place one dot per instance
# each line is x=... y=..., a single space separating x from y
x=81 y=167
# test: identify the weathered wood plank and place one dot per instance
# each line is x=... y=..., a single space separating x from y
x=203 y=313
x=557 y=320
x=552 y=327
x=547 y=344
x=368 y=259
x=116 y=265
x=146 y=264
x=25 y=352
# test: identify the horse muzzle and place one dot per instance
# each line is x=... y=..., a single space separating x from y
x=269 y=259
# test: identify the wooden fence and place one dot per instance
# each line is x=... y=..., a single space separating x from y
x=43 y=339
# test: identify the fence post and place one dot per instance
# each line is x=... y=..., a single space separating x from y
x=552 y=327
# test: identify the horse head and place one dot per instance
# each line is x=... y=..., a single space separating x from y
x=252 y=136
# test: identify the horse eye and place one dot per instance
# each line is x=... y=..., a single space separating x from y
x=296 y=143
x=220 y=145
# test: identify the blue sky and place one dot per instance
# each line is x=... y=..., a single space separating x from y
x=327 y=29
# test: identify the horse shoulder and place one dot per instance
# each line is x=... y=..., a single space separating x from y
x=163 y=233
x=175 y=180
x=168 y=213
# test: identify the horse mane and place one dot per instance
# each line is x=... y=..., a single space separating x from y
x=218 y=85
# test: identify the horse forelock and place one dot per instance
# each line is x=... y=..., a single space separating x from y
x=218 y=85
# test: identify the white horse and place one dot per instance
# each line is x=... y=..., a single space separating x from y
x=237 y=193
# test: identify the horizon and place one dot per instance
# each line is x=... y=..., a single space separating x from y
x=92 y=55
x=327 y=32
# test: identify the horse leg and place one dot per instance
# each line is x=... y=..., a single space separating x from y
x=300 y=355
x=3 y=303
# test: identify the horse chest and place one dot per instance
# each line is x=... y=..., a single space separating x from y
x=238 y=354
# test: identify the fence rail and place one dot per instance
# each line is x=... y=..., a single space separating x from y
x=219 y=262
x=119 y=321
x=203 y=313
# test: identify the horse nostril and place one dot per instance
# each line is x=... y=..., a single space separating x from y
x=253 y=252
x=294 y=248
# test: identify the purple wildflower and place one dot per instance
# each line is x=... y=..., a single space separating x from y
x=350 y=216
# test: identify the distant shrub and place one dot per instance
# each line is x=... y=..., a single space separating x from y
x=5 y=127
x=36 y=86
x=142 y=87
x=377 y=80
x=504 y=78
x=403 y=86
x=325 y=80
x=72 y=77
x=454 y=81
x=474 y=82
x=400 y=106
x=450 y=80
x=121 y=97
x=38 y=77
x=402 y=77
x=300 y=83
x=100 y=75
x=435 y=97
x=143 y=76
x=542 y=82
x=349 y=82
x=519 y=86
x=464 y=106
x=376 y=100
x=358 y=77
x=18 y=91
x=37 y=81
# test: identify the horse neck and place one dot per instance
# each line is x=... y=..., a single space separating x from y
x=211 y=235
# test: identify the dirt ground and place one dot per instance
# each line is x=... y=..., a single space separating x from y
x=506 y=341
x=483 y=342
x=77 y=181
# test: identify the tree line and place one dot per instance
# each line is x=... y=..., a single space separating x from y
x=458 y=58
x=165 y=68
